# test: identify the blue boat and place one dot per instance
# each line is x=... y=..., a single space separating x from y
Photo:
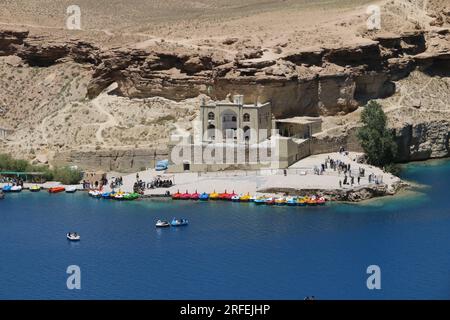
x=7 y=188
x=106 y=195
x=179 y=222
x=291 y=201
x=204 y=196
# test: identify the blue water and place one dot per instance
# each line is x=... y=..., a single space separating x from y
x=229 y=250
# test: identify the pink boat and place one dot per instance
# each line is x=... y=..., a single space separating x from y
x=195 y=196
x=185 y=196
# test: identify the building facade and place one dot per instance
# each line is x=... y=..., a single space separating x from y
x=234 y=120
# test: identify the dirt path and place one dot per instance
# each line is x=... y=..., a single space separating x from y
x=99 y=103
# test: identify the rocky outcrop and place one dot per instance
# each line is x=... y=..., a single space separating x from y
x=424 y=140
x=323 y=81
x=346 y=195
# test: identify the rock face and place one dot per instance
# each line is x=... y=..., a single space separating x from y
x=423 y=141
x=324 y=81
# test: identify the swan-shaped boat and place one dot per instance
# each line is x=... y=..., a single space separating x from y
x=73 y=236
x=204 y=196
x=162 y=224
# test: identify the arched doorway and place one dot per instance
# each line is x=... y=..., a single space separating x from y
x=211 y=132
x=246 y=133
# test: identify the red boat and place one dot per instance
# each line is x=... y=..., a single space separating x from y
x=321 y=201
x=270 y=202
x=195 y=196
x=56 y=189
x=176 y=196
x=185 y=196
x=224 y=196
x=229 y=196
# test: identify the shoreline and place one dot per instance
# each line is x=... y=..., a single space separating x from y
x=275 y=185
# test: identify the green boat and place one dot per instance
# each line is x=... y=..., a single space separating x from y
x=131 y=196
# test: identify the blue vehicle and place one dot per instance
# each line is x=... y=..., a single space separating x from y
x=204 y=196
x=7 y=188
x=179 y=222
x=162 y=165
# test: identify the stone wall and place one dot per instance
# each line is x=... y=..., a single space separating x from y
x=123 y=161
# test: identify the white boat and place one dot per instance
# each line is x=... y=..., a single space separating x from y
x=73 y=236
x=236 y=197
x=162 y=224
x=16 y=188
x=95 y=193
x=71 y=189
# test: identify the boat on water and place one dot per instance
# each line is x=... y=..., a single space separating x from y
x=119 y=196
x=71 y=189
x=245 y=198
x=185 y=196
x=260 y=200
x=311 y=201
x=270 y=201
x=301 y=202
x=204 y=196
x=236 y=198
x=224 y=196
x=131 y=196
x=291 y=201
x=195 y=196
x=73 y=236
x=176 y=196
x=108 y=195
x=16 y=189
x=162 y=224
x=214 y=196
x=321 y=201
x=179 y=222
x=56 y=189
x=95 y=193
x=6 y=188
x=35 y=188
x=280 y=201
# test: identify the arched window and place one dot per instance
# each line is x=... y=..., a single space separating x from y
x=233 y=119
x=246 y=117
x=211 y=116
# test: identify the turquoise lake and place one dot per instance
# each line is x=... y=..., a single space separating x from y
x=230 y=250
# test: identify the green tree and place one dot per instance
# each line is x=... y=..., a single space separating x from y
x=375 y=138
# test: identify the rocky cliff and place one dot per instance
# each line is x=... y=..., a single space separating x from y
x=322 y=81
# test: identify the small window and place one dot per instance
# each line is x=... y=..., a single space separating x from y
x=233 y=119
x=246 y=117
x=211 y=116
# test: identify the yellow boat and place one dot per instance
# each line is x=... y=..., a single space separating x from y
x=35 y=188
x=213 y=196
x=280 y=201
x=301 y=201
x=245 y=198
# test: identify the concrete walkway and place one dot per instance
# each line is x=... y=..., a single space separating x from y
x=298 y=176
